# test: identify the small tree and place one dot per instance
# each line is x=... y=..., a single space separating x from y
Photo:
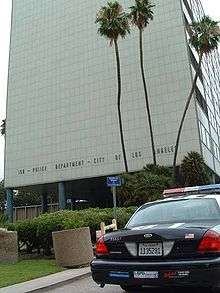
x=26 y=198
x=23 y=197
x=144 y=186
x=114 y=23
x=205 y=36
x=194 y=170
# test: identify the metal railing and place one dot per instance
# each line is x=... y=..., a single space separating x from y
x=30 y=212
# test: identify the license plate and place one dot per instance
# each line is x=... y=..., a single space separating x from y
x=150 y=249
x=146 y=275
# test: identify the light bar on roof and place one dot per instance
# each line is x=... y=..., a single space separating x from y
x=194 y=189
x=209 y=187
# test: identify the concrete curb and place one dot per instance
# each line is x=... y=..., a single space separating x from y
x=49 y=282
x=62 y=283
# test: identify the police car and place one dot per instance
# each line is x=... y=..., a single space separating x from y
x=170 y=242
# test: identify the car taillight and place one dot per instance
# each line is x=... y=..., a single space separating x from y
x=101 y=248
x=210 y=242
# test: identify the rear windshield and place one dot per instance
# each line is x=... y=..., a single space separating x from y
x=176 y=211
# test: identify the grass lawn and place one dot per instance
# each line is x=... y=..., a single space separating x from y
x=26 y=270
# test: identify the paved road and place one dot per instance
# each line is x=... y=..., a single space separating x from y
x=86 y=285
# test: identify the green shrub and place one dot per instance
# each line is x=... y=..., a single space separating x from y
x=144 y=186
x=124 y=215
x=37 y=233
x=27 y=234
x=3 y=219
x=194 y=170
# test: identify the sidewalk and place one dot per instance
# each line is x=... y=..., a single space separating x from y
x=48 y=282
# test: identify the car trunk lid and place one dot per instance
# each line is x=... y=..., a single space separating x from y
x=166 y=240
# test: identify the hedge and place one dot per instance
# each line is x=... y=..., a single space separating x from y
x=3 y=220
x=37 y=233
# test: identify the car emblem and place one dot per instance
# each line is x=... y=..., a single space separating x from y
x=148 y=235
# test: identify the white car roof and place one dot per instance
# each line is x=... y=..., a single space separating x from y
x=191 y=196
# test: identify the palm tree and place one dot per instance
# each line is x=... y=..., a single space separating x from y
x=141 y=14
x=205 y=36
x=3 y=127
x=114 y=23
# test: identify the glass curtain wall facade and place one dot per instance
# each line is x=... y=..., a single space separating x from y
x=207 y=96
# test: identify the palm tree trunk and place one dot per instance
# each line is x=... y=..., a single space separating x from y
x=119 y=105
x=184 y=115
x=146 y=97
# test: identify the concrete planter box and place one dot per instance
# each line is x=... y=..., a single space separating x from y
x=8 y=246
x=73 y=247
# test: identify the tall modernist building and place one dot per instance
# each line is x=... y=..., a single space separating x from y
x=62 y=123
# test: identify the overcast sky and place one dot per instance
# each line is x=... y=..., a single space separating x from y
x=212 y=7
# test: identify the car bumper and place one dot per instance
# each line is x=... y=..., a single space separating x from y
x=202 y=273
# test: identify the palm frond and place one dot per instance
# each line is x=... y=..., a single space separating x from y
x=205 y=35
x=141 y=13
x=113 y=21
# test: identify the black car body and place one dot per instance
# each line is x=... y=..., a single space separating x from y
x=173 y=242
